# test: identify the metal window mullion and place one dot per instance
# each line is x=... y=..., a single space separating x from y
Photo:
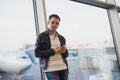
x=40 y=22
x=40 y=15
x=115 y=27
x=96 y=3
x=35 y=17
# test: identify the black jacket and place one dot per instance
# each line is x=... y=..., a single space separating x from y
x=43 y=48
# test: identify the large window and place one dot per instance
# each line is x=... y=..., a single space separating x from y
x=17 y=39
x=86 y=29
x=89 y=40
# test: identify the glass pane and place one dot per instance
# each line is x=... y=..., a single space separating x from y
x=118 y=2
x=17 y=39
x=89 y=40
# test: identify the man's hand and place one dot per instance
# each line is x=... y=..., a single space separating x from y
x=56 y=49
x=63 y=49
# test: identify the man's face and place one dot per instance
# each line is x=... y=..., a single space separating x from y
x=53 y=23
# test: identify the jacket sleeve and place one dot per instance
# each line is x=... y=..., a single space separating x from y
x=40 y=49
x=65 y=54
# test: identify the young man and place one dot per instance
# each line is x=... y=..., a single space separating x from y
x=51 y=49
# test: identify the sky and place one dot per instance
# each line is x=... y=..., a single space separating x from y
x=17 y=25
x=80 y=23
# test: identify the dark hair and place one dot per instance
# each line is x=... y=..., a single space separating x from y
x=54 y=15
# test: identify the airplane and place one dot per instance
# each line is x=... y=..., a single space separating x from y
x=16 y=61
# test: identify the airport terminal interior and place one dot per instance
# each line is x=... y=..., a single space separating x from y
x=91 y=29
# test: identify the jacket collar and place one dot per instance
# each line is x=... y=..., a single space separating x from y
x=47 y=32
